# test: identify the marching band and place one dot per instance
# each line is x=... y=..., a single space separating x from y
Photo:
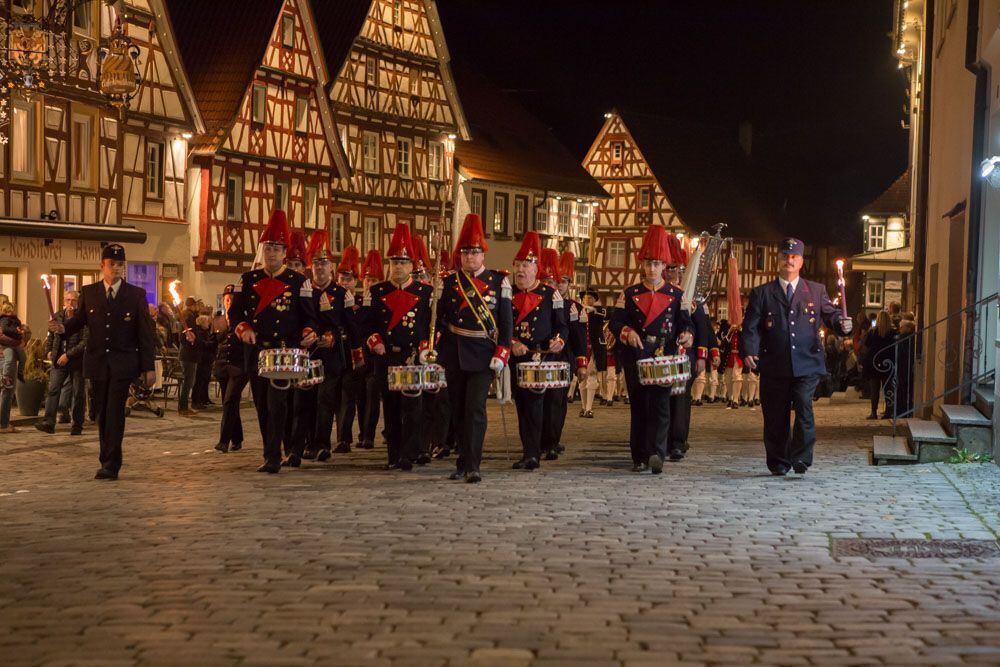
x=425 y=346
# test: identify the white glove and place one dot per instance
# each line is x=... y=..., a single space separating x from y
x=423 y=356
x=496 y=365
x=847 y=325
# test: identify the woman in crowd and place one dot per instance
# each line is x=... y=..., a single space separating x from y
x=877 y=360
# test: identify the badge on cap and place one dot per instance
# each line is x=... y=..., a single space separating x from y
x=793 y=246
x=114 y=252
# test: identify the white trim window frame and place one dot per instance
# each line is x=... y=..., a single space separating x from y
x=371 y=234
x=370 y=152
x=435 y=161
x=616 y=254
x=876 y=236
x=234 y=197
x=154 y=169
x=520 y=214
x=874 y=292
x=25 y=140
x=404 y=157
x=310 y=206
x=258 y=103
x=301 y=114
x=371 y=71
x=288 y=31
x=565 y=216
x=499 y=214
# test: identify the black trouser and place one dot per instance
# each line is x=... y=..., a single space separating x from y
x=286 y=436
x=352 y=401
x=109 y=404
x=649 y=408
x=778 y=396
x=327 y=403
x=232 y=380
x=373 y=401
x=190 y=369
x=202 y=378
x=303 y=419
x=403 y=422
x=59 y=377
x=554 y=417
x=437 y=418
x=680 y=419
x=875 y=387
x=468 y=391
x=530 y=415
x=272 y=415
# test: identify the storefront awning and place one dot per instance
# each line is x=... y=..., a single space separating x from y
x=74 y=231
x=897 y=259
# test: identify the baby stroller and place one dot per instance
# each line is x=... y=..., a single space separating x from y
x=140 y=397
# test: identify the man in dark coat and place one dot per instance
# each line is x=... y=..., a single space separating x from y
x=781 y=338
x=66 y=353
x=475 y=319
x=120 y=348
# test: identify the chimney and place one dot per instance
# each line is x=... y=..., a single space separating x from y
x=746 y=137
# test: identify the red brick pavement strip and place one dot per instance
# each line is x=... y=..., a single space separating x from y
x=193 y=558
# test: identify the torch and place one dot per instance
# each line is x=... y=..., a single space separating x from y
x=174 y=294
x=48 y=296
x=842 y=286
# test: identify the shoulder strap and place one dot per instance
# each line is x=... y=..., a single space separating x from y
x=477 y=304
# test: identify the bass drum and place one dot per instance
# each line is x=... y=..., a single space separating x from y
x=541 y=375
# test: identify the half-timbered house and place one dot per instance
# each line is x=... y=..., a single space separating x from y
x=688 y=178
x=269 y=141
x=398 y=117
x=518 y=177
x=61 y=170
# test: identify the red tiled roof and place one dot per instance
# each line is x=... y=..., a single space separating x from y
x=511 y=146
x=339 y=23
x=222 y=44
x=895 y=200
x=705 y=175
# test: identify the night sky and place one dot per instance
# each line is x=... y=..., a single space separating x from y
x=815 y=77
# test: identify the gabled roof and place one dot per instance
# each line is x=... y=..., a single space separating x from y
x=222 y=44
x=339 y=23
x=511 y=146
x=703 y=173
x=894 y=201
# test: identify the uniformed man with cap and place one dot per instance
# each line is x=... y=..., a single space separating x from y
x=781 y=338
x=336 y=346
x=540 y=333
x=474 y=317
x=273 y=308
x=648 y=322
x=398 y=329
x=120 y=349
x=369 y=396
x=230 y=371
x=434 y=405
x=348 y=394
x=558 y=274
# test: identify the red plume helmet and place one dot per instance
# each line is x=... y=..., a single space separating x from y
x=297 y=247
x=277 y=229
x=422 y=259
x=530 y=250
x=549 y=266
x=655 y=245
x=373 y=266
x=472 y=235
x=567 y=266
x=349 y=262
x=401 y=246
x=319 y=247
x=677 y=249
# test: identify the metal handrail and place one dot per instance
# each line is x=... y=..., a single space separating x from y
x=887 y=361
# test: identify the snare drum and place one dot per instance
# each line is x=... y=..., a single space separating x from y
x=315 y=376
x=541 y=375
x=283 y=363
x=664 y=371
x=407 y=379
x=432 y=378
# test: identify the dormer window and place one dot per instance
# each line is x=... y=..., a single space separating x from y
x=287 y=31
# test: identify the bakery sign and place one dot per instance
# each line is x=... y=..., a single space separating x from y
x=51 y=250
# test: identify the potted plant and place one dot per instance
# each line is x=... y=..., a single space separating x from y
x=32 y=385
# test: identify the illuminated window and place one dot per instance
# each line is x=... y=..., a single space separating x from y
x=874 y=292
x=83 y=140
x=371 y=70
x=499 y=214
x=478 y=201
x=435 y=161
x=876 y=237
x=520 y=214
x=25 y=140
x=617 y=152
x=565 y=213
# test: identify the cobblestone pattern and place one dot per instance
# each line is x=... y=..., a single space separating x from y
x=193 y=558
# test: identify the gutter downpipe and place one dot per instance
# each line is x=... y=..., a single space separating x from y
x=975 y=208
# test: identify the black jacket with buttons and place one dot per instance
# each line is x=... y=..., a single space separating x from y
x=468 y=353
x=279 y=309
x=122 y=338
x=539 y=316
x=399 y=318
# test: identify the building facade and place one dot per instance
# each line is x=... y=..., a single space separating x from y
x=885 y=266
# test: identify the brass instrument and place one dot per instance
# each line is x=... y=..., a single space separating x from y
x=709 y=280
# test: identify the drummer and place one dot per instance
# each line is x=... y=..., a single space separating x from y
x=649 y=322
x=559 y=272
x=337 y=333
x=272 y=308
x=434 y=405
x=398 y=323
x=540 y=333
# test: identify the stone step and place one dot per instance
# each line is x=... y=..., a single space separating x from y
x=984 y=396
x=956 y=416
x=927 y=430
x=887 y=449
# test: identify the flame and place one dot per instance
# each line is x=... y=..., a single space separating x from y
x=45 y=281
x=174 y=294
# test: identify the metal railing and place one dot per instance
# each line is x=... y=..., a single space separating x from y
x=958 y=345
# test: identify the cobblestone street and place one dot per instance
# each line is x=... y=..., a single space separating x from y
x=192 y=557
